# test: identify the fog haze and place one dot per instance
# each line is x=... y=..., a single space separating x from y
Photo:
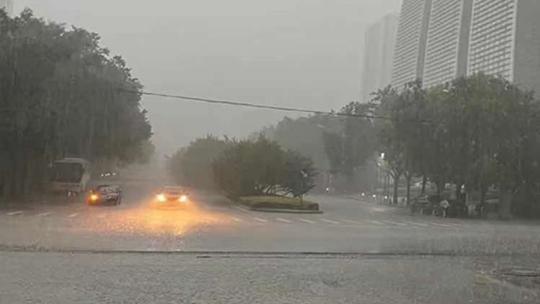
x=298 y=53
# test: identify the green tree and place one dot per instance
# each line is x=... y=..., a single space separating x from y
x=61 y=94
x=389 y=142
x=299 y=175
x=262 y=167
x=483 y=126
x=192 y=165
x=250 y=168
x=476 y=132
x=349 y=148
x=306 y=136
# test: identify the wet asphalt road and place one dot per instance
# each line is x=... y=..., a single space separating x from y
x=153 y=278
x=211 y=223
x=140 y=251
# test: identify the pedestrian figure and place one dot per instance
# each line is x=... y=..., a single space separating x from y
x=444 y=207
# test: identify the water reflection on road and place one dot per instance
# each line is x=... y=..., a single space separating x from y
x=152 y=218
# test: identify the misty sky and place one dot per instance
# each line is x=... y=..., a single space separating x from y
x=304 y=53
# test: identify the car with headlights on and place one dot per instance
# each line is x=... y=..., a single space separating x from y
x=172 y=194
x=105 y=194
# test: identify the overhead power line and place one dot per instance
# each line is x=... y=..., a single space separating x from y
x=254 y=105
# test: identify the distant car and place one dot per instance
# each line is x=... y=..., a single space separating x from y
x=108 y=174
x=105 y=194
x=172 y=194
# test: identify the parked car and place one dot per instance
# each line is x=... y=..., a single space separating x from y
x=105 y=194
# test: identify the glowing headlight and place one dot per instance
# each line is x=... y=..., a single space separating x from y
x=161 y=198
x=94 y=197
x=183 y=198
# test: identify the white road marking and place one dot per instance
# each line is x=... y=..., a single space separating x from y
x=44 y=214
x=102 y=216
x=394 y=223
x=15 y=213
x=306 y=221
x=454 y=225
x=258 y=219
x=351 y=222
x=240 y=209
x=236 y=219
x=418 y=224
x=73 y=215
x=399 y=224
x=279 y=219
x=376 y=222
x=442 y=225
x=330 y=221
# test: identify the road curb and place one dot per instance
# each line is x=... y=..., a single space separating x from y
x=269 y=210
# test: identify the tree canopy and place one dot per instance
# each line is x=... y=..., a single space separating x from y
x=62 y=94
x=262 y=167
x=305 y=135
x=476 y=132
x=192 y=165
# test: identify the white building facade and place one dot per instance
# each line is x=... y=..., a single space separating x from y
x=409 y=53
x=447 y=41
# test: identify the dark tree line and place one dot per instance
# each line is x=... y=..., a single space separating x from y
x=61 y=95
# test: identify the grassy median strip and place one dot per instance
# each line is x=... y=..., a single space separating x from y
x=278 y=202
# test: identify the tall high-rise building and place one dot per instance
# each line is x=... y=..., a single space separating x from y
x=447 y=41
x=464 y=37
x=380 y=40
x=7 y=5
x=411 y=42
x=505 y=40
